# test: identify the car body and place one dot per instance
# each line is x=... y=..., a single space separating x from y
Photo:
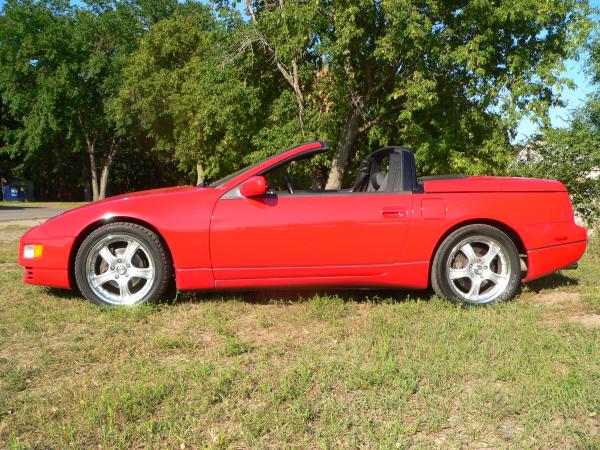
x=226 y=236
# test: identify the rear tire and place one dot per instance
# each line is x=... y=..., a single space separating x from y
x=476 y=265
x=122 y=264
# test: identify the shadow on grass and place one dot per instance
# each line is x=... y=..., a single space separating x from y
x=291 y=296
x=11 y=208
x=552 y=281
x=65 y=294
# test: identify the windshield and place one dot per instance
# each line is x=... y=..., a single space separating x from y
x=231 y=176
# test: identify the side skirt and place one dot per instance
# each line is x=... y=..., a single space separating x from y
x=413 y=275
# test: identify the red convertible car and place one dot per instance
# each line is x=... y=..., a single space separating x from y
x=472 y=239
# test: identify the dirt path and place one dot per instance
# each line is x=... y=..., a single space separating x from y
x=560 y=306
x=12 y=213
x=13 y=230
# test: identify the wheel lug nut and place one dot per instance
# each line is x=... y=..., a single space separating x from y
x=126 y=275
x=112 y=267
x=130 y=266
x=116 y=276
x=118 y=260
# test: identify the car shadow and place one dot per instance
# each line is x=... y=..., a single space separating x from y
x=12 y=208
x=289 y=296
x=274 y=296
x=293 y=296
x=552 y=281
x=65 y=294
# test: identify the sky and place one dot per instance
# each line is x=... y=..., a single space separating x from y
x=571 y=97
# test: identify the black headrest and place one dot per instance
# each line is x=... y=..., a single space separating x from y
x=377 y=180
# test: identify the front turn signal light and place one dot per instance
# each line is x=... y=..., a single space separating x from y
x=33 y=251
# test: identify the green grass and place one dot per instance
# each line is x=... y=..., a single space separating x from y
x=353 y=369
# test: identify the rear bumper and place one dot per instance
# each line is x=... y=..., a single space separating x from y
x=546 y=260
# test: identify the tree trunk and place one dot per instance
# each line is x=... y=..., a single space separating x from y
x=93 y=170
x=90 y=141
x=106 y=169
x=343 y=152
x=200 y=170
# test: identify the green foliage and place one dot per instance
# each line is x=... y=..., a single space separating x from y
x=448 y=78
x=60 y=70
x=148 y=89
x=179 y=90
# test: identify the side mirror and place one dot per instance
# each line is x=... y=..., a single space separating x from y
x=254 y=186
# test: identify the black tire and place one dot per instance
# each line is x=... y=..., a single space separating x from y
x=449 y=258
x=152 y=255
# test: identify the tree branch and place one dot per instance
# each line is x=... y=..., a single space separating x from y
x=290 y=76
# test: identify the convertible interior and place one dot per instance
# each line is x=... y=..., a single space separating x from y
x=388 y=169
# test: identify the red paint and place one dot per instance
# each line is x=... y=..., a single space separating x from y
x=253 y=186
x=433 y=208
x=327 y=239
x=493 y=184
x=337 y=234
x=545 y=260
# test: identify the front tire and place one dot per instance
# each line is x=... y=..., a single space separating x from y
x=122 y=264
x=476 y=265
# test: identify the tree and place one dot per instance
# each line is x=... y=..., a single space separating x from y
x=450 y=78
x=184 y=95
x=61 y=70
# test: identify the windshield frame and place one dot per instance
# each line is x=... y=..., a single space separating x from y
x=257 y=167
x=221 y=181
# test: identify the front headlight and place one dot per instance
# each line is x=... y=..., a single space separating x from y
x=32 y=251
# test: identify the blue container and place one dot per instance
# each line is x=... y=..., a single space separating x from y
x=14 y=193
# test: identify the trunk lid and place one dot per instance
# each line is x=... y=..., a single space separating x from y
x=490 y=184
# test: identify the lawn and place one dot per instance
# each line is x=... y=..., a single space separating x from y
x=357 y=369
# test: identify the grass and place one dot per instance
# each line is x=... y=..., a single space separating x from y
x=370 y=370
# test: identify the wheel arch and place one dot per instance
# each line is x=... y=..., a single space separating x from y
x=97 y=224
x=506 y=229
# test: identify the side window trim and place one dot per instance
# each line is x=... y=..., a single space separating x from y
x=235 y=194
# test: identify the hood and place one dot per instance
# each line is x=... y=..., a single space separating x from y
x=490 y=184
x=134 y=195
x=142 y=205
x=66 y=223
x=160 y=192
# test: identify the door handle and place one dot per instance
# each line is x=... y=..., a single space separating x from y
x=392 y=212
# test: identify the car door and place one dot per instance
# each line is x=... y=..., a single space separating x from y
x=327 y=234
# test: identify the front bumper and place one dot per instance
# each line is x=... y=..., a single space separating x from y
x=52 y=268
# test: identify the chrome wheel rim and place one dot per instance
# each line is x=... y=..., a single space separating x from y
x=120 y=269
x=478 y=269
